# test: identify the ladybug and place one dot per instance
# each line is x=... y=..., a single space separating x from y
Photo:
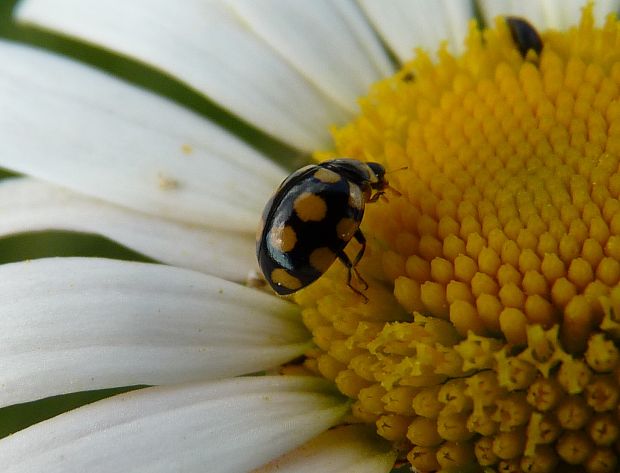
x=310 y=219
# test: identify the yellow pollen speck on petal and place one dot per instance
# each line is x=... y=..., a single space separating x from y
x=167 y=183
x=310 y=207
x=489 y=335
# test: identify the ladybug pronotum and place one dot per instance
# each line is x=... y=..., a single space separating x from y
x=310 y=219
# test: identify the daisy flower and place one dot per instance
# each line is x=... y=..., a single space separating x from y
x=489 y=336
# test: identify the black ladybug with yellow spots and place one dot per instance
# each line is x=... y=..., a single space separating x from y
x=314 y=213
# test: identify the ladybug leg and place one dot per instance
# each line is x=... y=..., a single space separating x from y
x=359 y=236
x=375 y=197
x=342 y=256
x=380 y=194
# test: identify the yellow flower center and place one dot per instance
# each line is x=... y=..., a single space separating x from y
x=490 y=336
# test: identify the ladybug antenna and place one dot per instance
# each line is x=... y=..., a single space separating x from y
x=381 y=194
x=397 y=169
x=388 y=187
x=394 y=191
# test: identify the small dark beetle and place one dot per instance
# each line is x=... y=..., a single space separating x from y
x=524 y=35
x=314 y=213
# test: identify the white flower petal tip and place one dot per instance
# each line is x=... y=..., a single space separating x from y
x=345 y=449
x=211 y=49
x=222 y=427
x=409 y=24
x=74 y=324
x=104 y=138
x=546 y=14
x=28 y=205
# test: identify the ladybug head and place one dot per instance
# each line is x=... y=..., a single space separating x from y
x=377 y=176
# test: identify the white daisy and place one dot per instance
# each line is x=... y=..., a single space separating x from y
x=99 y=155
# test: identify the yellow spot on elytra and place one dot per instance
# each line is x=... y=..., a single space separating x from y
x=356 y=197
x=310 y=207
x=345 y=228
x=282 y=278
x=283 y=238
x=321 y=259
x=326 y=175
x=187 y=148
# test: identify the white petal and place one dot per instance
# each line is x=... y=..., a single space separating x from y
x=409 y=24
x=544 y=14
x=72 y=324
x=329 y=42
x=102 y=137
x=345 y=449
x=28 y=205
x=205 y=45
x=565 y=13
x=228 y=427
x=532 y=10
